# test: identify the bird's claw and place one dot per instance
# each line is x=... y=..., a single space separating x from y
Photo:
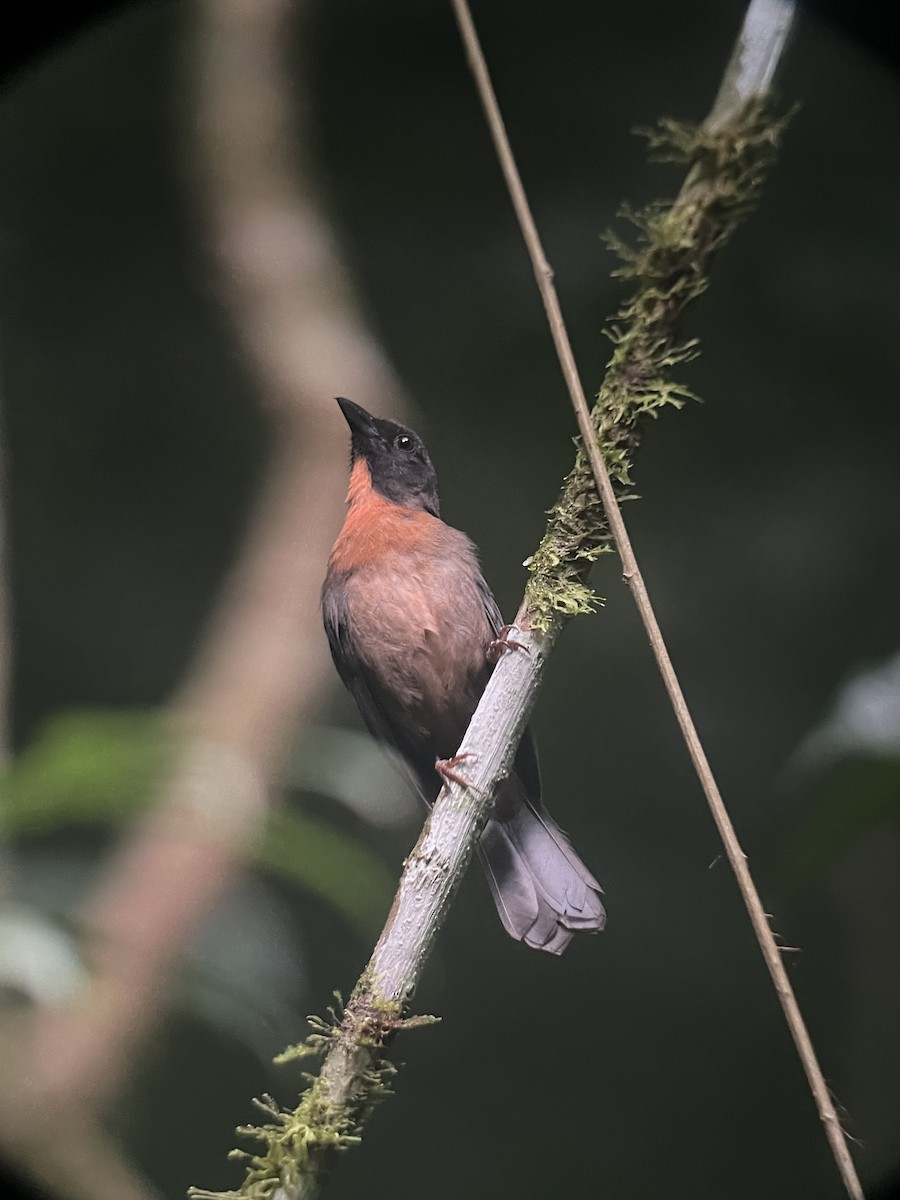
x=444 y=768
x=501 y=643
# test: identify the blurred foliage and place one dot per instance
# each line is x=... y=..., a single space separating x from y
x=38 y=958
x=331 y=864
x=83 y=766
x=348 y=766
x=97 y=766
x=850 y=798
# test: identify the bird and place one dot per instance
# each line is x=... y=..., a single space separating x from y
x=414 y=632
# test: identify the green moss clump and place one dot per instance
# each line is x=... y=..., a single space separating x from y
x=299 y=1145
x=296 y=1143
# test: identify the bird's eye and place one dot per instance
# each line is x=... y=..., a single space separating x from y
x=403 y=442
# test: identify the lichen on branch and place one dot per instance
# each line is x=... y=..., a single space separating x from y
x=669 y=261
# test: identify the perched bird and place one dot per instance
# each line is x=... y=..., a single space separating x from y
x=410 y=621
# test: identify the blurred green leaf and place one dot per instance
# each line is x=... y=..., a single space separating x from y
x=353 y=768
x=332 y=865
x=85 y=765
x=89 y=767
x=851 y=798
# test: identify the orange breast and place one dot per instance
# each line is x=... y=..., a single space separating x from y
x=374 y=526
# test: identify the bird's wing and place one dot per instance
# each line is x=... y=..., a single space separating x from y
x=492 y=612
x=366 y=690
x=359 y=681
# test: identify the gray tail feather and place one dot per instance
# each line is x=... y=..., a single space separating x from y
x=543 y=891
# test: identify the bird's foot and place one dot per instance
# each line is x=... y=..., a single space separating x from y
x=444 y=768
x=501 y=643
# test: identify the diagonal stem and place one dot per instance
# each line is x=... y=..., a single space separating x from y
x=748 y=75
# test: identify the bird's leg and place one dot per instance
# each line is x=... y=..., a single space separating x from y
x=444 y=768
x=501 y=643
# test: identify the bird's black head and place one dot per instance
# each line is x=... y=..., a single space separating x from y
x=396 y=457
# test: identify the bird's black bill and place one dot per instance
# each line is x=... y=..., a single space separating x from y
x=357 y=418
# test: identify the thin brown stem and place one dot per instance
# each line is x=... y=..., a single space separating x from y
x=633 y=577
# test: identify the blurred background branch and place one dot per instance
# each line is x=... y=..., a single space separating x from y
x=259 y=671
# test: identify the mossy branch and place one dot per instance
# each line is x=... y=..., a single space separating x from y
x=300 y=1145
x=669 y=263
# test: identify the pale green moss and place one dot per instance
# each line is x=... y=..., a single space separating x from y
x=669 y=260
x=303 y=1141
x=295 y=1143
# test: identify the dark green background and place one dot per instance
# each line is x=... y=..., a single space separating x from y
x=652 y=1061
